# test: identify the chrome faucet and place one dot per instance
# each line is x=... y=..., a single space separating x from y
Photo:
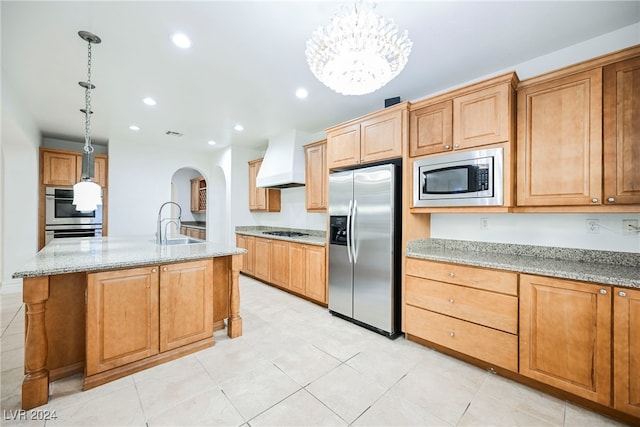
x=176 y=221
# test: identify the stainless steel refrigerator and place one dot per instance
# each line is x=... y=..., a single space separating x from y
x=364 y=252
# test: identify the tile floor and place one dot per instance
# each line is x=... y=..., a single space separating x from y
x=295 y=365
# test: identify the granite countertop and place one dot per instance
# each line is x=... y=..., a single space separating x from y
x=104 y=253
x=315 y=237
x=606 y=267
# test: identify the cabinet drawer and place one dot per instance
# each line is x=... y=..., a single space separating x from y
x=495 y=347
x=481 y=278
x=490 y=309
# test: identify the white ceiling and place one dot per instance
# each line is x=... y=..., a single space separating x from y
x=247 y=60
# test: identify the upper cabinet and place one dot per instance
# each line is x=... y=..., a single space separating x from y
x=621 y=83
x=316 y=176
x=261 y=199
x=64 y=168
x=562 y=158
x=378 y=136
x=476 y=115
x=198 y=195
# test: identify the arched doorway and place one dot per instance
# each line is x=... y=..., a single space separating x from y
x=189 y=190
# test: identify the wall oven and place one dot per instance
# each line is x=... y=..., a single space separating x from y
x=466 y=178
x=63 y=220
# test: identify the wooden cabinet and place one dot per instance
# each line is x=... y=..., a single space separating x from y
x=122 y=317
x=261 y=199
x=621 y=132
x=565 y=335
x=316 y=175
x=137 y=313
x=198 y=195
x=467 y=309
x=559 y=146
x=626 y=350
x=195 y=232
x=262 y=259
x=248 y=260
x=279 y=263
x=473 y=116
x=64 y=168
x=308 y=273
x=378 y=136
x=186 y=303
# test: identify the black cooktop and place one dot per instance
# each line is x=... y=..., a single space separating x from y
x=286 y=233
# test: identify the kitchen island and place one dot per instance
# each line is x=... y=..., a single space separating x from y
x=113 y=306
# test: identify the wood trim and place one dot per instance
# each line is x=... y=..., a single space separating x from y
x=398 y=107
x=35 y=387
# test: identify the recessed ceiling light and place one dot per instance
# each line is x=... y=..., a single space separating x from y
x=302 y=93
x=211 y=142
x=181 y=40
x=238 y=127
x=149 y=101
x=134 y=128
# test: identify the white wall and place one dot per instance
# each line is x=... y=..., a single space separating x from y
x=564 y=230
x=19 y=188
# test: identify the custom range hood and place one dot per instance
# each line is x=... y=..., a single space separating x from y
x=284 y=165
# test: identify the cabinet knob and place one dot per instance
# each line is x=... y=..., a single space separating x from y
x=154 y=270
x=622 y=293
x=456 y=145
x=603 y=291
x=594 y=200
x=452 y=274
x=611 y=199
x=451 y=300
x=165 y=269
x=447 y=147
x=452 y=334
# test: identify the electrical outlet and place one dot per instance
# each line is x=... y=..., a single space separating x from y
x=593 y=226
x=484 y=223
x=630 y=226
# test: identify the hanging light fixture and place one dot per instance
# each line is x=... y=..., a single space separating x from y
x=359 y=51
x=86 y=193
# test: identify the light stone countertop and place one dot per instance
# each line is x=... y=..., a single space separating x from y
x=605 y=267
x=315 y=237
x=74 y=255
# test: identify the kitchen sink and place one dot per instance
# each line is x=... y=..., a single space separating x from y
x=182 y=241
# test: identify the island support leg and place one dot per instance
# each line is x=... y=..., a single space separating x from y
x=234 y=328
x=35 y=387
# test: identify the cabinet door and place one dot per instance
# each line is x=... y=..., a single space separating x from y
x=262 y=257
x=195 y=195
x=559 y=149
x=257 y=196
x=59 y=168
x=99 y=170
x=621 y=132
x=626 y=350
x=122 y=317
x=279 y=259
x=431 y=129
x=316 y=177
x=343 y=147
x=565 y=335
x=315 y=273
x=482 y=117
x=381 y=137
x=186 y=303
x=297 y=268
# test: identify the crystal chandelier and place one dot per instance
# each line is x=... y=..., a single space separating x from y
x=359 y=51
x=86 y=193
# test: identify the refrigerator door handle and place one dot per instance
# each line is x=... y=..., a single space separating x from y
x=354 y=246
x=349 y=232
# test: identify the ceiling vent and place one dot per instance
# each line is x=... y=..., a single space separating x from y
x=172 y=133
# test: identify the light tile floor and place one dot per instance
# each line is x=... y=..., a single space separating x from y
x=295 y=365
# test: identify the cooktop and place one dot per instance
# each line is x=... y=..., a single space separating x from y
x=286 y=233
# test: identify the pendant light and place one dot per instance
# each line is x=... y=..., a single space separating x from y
x=87 y=195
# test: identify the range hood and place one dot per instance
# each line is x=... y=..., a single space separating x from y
x=284 y=165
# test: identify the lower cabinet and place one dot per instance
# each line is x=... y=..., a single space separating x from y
x=565 y=335
x=248 y=259
x=470 y=310
x=137 y=313
x=262 y=267
x=308 y=272
x=279 y=263
x=626 y=350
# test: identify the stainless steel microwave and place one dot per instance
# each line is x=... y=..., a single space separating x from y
x=466 y=178
x=59 y=209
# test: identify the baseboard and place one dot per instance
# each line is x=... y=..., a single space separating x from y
x=11 y=286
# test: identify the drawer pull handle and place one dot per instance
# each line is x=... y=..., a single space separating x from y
x=451 y=334
x=603 y=291
x=622 y=293
x=451 y=300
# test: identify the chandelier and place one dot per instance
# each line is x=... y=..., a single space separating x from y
x=86 y=193
x=359 y=51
